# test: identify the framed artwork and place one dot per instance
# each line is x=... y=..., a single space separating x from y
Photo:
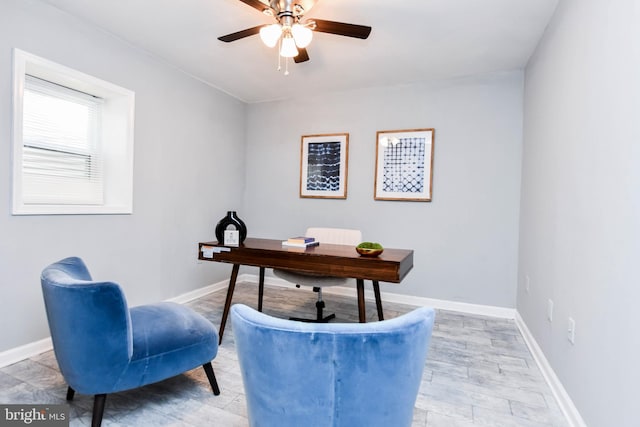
x=323 y=166
x=404 y=165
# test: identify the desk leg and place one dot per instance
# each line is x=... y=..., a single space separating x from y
x=376 y=291
x=260 y=289
x=227 y=303
x=361 y=308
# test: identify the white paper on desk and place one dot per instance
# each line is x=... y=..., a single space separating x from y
x=207 y=251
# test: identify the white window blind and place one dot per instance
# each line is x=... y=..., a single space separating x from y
x=61 y=161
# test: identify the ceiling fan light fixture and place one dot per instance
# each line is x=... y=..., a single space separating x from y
x=288 y=48
x=270 y=34
x=293 y=32
x=302 y=35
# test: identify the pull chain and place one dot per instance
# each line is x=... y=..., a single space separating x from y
x=286 y=60
x=279 y=60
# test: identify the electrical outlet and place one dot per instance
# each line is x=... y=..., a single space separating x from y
x=571 y=331
x=527 y=284
x=550 y=310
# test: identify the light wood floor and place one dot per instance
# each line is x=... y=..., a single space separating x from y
x=479 y=372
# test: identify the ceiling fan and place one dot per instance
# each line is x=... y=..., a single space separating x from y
x=290 y=31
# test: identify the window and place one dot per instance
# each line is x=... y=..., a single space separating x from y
x=73 y=141
x=60 y=145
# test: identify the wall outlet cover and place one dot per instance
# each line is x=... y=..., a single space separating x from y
x=571 y=331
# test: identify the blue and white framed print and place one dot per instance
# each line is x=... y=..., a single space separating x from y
x=404 y=165
x=323 y=166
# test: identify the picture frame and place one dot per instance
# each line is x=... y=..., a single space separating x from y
x=324 y=166
x=404 y=165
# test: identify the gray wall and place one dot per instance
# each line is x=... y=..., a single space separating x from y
x=199 y=153
x=465 y=240
x=579 y=229
x=189 y=162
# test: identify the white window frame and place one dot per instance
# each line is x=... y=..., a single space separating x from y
x=116 y=132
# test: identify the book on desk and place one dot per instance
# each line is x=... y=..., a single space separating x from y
x=300 y=242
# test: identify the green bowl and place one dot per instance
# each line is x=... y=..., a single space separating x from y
x=369 y=249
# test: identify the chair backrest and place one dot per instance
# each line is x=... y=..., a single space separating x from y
x=89 y=322
x=336 y=236
x=331 y=374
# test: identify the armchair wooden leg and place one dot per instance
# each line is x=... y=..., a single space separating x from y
x=70 y=393
x=261 y=289
x=208 y=369
x=98 y=409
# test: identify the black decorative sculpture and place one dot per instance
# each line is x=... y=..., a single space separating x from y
x=231 y=219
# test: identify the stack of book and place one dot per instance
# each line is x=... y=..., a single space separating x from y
x=300 y=242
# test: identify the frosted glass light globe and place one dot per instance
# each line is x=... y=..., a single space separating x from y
x=288 y=49
x=302 y=35
x=270 y=34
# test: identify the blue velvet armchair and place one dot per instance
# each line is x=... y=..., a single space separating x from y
x=104 y=347
x=331 y=374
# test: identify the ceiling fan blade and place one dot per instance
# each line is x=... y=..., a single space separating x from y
x=303 y=56
x=240 y=34
x=342 y=29
x=257 y=4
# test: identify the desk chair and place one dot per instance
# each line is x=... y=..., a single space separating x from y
x=104 y=347
x=331 y=375
x=336 y=236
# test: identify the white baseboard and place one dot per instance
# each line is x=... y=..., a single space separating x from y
x=484 y=310
x=562 y=397
x=198 y=293
x=14 y=355
x=571 y=413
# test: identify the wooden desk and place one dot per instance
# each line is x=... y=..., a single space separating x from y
x=330 y=260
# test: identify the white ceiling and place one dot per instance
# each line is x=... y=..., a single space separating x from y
x=411 y=41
